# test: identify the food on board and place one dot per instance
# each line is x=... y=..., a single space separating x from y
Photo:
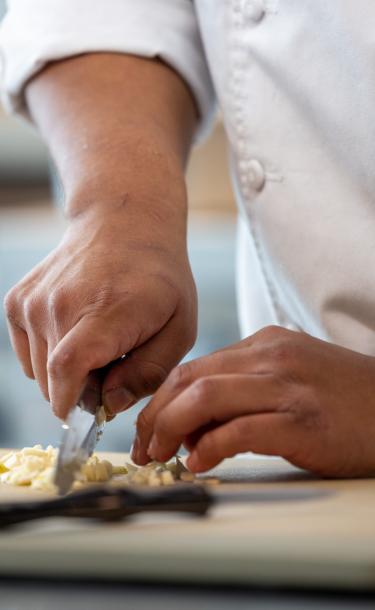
x=34 y=467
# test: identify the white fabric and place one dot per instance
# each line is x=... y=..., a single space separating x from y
x=296 y=83
x=36 y=32
x=297 y=91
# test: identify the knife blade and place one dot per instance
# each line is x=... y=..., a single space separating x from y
x=80 y=436
x=81 y=431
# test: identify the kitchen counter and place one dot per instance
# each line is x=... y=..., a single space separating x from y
x=321 y=542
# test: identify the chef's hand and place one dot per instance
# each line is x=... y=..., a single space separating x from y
x=103 y=293
x=119 y=129
x=277 y=392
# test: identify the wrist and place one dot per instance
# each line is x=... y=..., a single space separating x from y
x=143 y=182
x=149 y=213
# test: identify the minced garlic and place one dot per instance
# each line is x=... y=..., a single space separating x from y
x=35 y=467
x=156 y=474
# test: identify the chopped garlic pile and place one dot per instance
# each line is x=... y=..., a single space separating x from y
x=32 y=466
x=98 y=471
x=35 y=467
x=158 y=474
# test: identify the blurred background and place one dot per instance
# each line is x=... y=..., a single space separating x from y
x=31 y=224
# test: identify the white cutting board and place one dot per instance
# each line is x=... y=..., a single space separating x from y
x=318 y=542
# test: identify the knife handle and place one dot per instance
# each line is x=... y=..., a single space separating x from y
x=108 y=503
x=111 y=504
x=192 y=499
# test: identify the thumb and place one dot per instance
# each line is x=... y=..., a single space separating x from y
x=145 y=368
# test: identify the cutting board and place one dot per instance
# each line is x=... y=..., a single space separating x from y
x=327 y=541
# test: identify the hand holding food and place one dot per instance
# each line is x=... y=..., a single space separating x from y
x=279 y=393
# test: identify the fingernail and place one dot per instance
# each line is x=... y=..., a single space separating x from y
x=193 y=462
x=134 y=450
x=118 y=399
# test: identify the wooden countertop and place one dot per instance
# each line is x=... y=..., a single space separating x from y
x=320 y=542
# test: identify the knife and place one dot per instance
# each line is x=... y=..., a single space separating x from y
x=81 y=431
x=105 y=503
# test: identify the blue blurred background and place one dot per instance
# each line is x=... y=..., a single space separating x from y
x=31 y=225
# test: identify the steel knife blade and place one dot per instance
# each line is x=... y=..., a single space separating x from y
x=82 y=430
x=81 y=433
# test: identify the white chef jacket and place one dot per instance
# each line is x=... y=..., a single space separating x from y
x=295 y=80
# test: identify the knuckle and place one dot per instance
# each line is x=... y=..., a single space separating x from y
x=32 y=309
x=269 y=333
x=283 y=356
x=281 y=351
x=217 y=360
x=278 y=343
x=180 y=377
x=11 y=306
x=57 y=303
x=58 y=364
x=202 y=390
x=304 y=410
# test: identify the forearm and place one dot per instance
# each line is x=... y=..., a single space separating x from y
x=119 y=129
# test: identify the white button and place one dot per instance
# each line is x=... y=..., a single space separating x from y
x=254 y=10
x=253 y=174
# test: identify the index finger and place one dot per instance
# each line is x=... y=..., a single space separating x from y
x=213 y=399
x=229 y=361
x=90 y=345
x=177 y=381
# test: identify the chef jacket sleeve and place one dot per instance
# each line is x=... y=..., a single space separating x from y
x=34 y=33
